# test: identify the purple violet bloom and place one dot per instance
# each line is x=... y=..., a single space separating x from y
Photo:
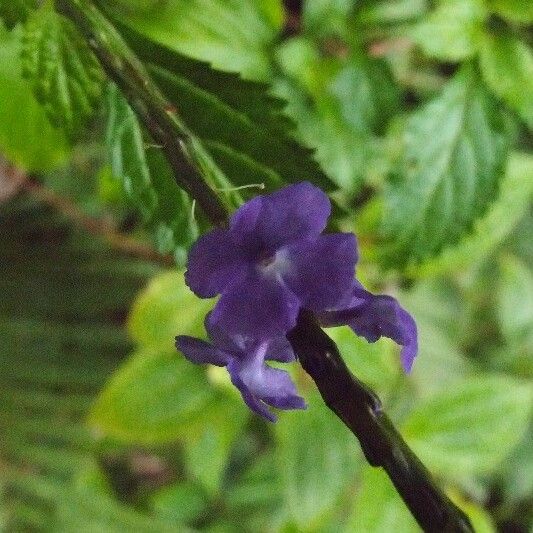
x=374 y=316
x=259 y=384
x=272 y=261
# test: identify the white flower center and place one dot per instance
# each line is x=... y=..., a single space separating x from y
x=275 y=265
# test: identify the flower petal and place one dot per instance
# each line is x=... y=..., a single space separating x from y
x=201 y=352
x=251 y=401
x=280 y=349
x=295 y=212
x=260 y=383
x=259 y=306
x=243 y=226
x=322 y=271
x=374 y=316
x=214 y=263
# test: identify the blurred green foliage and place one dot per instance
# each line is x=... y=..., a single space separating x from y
x=419 y=113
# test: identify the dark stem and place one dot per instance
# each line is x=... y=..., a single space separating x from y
x=159 y=116
x=354 y=403
x=360 y=409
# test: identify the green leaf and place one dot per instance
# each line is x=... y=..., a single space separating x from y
x=324 y=18
x=15 y=11
x=452 y=155
x=516 y=191
x=377 y=364
x=391 y=11
x=207 y=452
x=242 y=126
x=513 y=10
x=318 y=458
x=517 y=473
x=147 y=180
x=154 y=398
x=232 y=35
x=339 y=106
x=180 y=502
x=515 y=300
x=54 y=356
x=65 y=75
x=440 y=363
x=507 y=66
x=378 y=507
x=26 y=136
x=451 y=32
x=470 y=427
x=258 y=487
x=164 y=309
x=126 y=153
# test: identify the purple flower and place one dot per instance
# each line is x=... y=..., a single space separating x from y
x=374 y=316
x=271 y=261
x=259 y=384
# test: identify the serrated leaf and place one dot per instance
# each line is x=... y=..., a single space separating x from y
x=237 y=117
x=27 y=138
x=453 y=31
x=503 y=215
x=507 y=67
x=452 y=156
x=470 y=427
x=513 y=10
x=147 y=179
x=65 y=75
x=318 y=459
x=338 y=105
x=232 y=35
x=14 y=11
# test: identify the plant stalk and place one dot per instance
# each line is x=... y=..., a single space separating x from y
x=361 y=410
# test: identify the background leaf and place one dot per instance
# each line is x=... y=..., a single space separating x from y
x=452 y=31
x=154 y=398
x=378 y=507
x=515 y=300
x=14 y=11
x=148 y=181
x=514 y=10
x=472 y=426
x=503 y=215
x=453 y=154
x=314 y=471
x=26 y=136
x=242 y=128
x=164 y=309
x=507 y=66
x=66 y=77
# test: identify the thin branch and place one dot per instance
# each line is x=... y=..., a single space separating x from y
x=354 y=403
x=95 y=226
